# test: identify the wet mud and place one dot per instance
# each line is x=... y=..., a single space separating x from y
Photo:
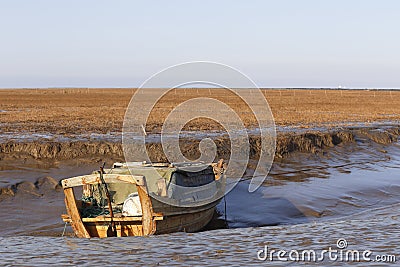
x=287 y=143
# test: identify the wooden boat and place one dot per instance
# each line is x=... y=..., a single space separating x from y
x=172 y=198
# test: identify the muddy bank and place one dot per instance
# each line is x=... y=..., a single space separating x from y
x=287 y=143
x=41 y=187
x=58 y=150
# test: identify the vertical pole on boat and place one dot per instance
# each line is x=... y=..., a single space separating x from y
x=111 y=231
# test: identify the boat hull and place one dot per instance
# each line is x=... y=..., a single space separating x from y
x=190 y=222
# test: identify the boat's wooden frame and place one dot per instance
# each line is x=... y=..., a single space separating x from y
x=172 y=220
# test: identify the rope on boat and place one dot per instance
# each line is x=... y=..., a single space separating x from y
x=225 y=216
x=65 y=227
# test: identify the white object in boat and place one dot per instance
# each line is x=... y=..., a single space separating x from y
x=132 y=206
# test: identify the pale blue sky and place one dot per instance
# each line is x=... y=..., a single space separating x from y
x=282 y=43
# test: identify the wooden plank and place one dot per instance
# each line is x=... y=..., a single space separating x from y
x=73 y=212
x=100 y=230
x=95 y=179
x=148 y=222
x=66 y=218
x=121 y=219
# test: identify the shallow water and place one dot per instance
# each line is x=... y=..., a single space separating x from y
x=308 y=202
x=376 y=230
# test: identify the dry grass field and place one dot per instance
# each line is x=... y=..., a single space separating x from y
x=72 y=111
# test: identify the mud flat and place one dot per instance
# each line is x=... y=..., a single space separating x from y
x=69 y=111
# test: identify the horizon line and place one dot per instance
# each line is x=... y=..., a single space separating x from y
x=261 y=88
